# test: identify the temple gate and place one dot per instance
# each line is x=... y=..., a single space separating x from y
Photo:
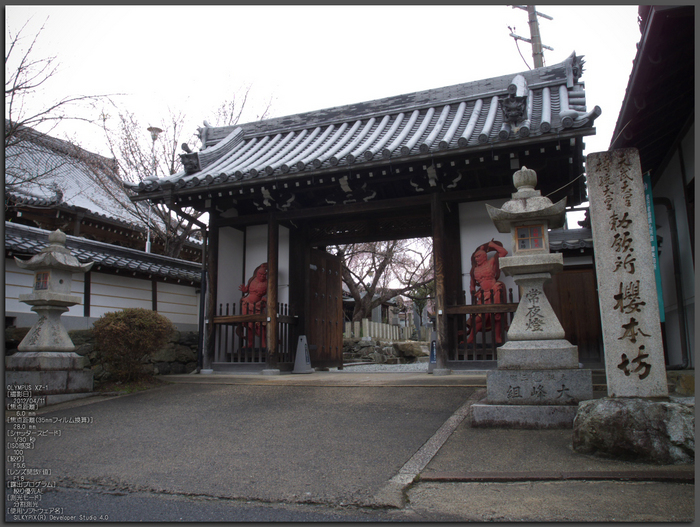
x=423 y=164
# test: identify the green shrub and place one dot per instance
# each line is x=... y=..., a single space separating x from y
x=125 y=337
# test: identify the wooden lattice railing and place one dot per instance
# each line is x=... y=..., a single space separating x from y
x=466 y=343
x=241 y=338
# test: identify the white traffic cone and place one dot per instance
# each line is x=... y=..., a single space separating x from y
x=302 y=362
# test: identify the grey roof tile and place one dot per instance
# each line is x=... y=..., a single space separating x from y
x=22 y=239
x=455 y=117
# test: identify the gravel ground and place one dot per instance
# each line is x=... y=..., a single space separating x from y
x=416 y=367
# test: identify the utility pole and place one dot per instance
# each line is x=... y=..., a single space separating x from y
x=534 y=40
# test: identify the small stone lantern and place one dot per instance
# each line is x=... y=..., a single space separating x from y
x=538 y=383
x=46 y=356
x=528 y=216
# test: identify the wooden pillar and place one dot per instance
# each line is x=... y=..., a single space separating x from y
x=210 y=257
x=272 y=273
x=438 y=222
x=298 y=279
x=154 y=294
x=86 y=294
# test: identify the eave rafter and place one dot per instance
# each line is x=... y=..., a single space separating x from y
x=447 y=171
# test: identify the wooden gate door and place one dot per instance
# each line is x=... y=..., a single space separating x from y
x=325 y=321
x=574 y=298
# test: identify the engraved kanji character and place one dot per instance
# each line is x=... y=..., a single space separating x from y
x=538 y=391
x=631 y=330
x=535 y=318
x=628 y=301
x=616 y=222
x=623 y=365
x=641 y=365
x=622 y=243
x=513 y=392
x=627 y=264
x=563 y=392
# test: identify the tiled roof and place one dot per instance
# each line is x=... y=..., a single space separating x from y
x=43 y=171
x=560 y=239
x=461 y=117
x=25 y=240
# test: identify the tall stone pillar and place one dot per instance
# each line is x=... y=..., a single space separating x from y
x=637 y=420
x=634 y=355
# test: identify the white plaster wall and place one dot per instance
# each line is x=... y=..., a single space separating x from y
x=179 y=303
x=234 y=271
x=17 y=282
x=113 y=292
x=283 y=277
x=256 y=248
x=670 y=186
x=20 y=281
x=476 y=228
x=230 y=266
x=256 y=253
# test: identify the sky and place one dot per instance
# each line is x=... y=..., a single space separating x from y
x=306 y=58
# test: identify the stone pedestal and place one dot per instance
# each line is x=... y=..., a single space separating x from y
x=53 y=376
x=542 y=398
x=48 y=333
x=538 y=355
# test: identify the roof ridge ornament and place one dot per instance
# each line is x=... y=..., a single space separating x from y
x=574 y=69
x=516 y=108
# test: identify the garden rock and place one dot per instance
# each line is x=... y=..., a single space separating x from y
x=174 y=352
x=378 y=357
x=409 y=350
x=636 y=429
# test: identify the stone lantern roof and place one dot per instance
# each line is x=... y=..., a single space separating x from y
x=527 y=204
x=55 y=255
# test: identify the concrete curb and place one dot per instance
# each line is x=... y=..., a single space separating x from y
x=393 y=493
x=673 y=476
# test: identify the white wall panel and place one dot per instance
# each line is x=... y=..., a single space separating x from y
x=230 y=266
x=476 y=228
x=177 y=302
x=113 y=292
x=17 y=282
x=20 y=281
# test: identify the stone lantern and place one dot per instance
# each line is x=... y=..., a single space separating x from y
x=46 y=356
x=538 y=383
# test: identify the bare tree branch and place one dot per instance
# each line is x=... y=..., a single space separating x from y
x=25 y=75
x=377 y=272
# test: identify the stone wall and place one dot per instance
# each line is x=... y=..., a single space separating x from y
x=178 y=356
x=377 y=351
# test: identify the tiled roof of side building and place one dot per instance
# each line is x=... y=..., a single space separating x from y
x=45 y=171
x=522 y=106
x=25 y=240
x=561 y=239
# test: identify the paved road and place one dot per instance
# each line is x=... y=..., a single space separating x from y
x=342 y=447
x=334 y=445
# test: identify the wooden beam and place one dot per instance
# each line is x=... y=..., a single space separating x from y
x=272 y=274
x=328 y=211
x=482 y=309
